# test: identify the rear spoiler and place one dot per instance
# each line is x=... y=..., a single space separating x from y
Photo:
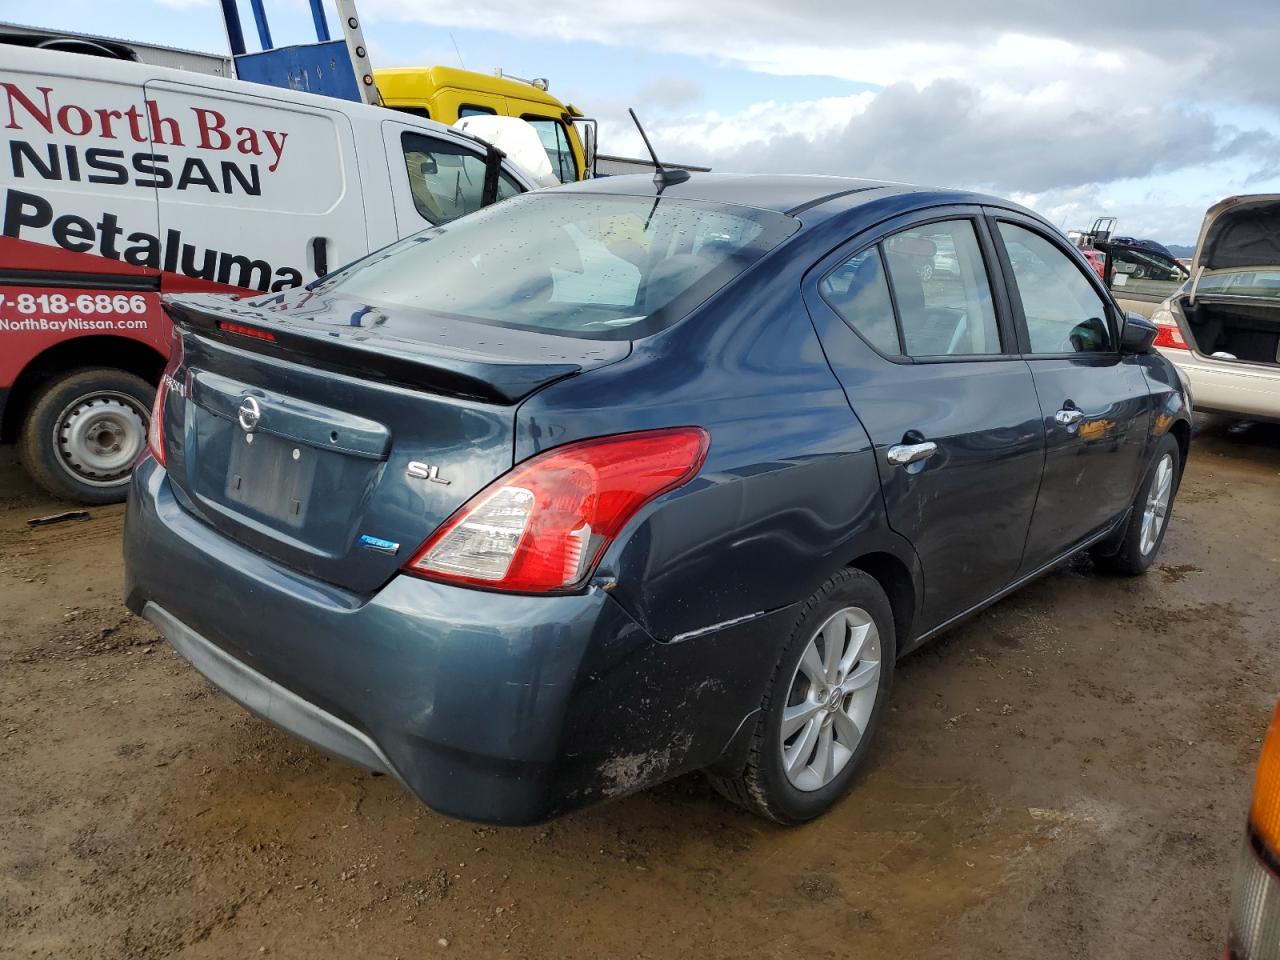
x=414 y=365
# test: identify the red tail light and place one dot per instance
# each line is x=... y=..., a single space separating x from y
x=544 y=526
x=1170 y=334
x=155 y=429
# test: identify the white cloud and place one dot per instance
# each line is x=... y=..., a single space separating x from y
x=1063 y=106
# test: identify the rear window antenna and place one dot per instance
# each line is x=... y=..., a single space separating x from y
x=662 y=176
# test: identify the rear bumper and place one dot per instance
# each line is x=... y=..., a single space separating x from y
x=1224 y=386
x=256 y=692
x=492 y=707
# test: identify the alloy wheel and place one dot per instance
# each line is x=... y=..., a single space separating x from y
x=1157 y=508
x=830 y=700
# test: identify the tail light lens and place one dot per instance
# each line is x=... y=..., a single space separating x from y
x=1255 y=903
x=543 y=526
x=1170 y=334
x=155 y=428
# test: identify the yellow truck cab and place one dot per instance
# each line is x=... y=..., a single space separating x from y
x=447 y=94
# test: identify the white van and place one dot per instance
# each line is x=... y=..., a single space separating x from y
x=120 y=181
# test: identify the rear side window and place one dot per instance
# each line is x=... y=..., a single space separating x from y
x=446 y=179
x=858 y=291
x=606 y=267
x=940 y=285
x=1064 y=313
x=935 y=277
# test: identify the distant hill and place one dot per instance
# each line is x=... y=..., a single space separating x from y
x=1180 y=249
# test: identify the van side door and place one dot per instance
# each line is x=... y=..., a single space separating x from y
x=254 y=191
x=914 y=321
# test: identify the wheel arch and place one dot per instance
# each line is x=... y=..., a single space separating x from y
x=896 y=580
x=121 y=353
x=1181 y=430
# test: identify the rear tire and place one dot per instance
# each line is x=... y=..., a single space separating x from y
x=1149 y=518
x=83 y=432
x=819 y=701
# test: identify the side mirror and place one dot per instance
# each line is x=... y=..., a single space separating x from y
x=1138 y=334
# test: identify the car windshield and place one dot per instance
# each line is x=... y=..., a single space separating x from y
x=1242 y=283
x=606 y=267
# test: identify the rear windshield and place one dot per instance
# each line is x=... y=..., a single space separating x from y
x=585 y=265
x=1242 y=283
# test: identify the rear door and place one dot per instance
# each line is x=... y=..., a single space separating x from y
x=1095 y=405
x=928 y=361
x=254 y=192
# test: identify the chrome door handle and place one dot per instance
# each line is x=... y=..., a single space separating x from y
x=1067 y=416
x=901 y=454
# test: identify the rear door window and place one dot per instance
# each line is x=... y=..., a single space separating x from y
x=939 y=282
x=446 y=179
x=1063 y=311
x=858 y=290
x=921 y=292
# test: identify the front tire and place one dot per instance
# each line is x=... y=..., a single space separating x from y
x=83 y=432
x=823 y=705
x=1149 y=518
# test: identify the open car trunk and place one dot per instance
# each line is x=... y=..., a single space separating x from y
x=1242 y=331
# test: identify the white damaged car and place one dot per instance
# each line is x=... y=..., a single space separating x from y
x=1222 y=328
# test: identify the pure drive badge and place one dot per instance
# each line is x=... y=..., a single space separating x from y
x=378 y=544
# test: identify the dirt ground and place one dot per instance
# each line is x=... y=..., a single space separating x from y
x=1064 y=777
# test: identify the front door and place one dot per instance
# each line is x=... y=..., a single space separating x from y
x=919 y=336
x=435 y=178
x=1095 y=404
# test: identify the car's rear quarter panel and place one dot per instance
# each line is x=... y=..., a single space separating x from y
x=789 y=492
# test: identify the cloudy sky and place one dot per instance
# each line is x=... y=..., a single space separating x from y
x=1148 y=111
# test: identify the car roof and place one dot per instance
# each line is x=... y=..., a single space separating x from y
x=783 y=193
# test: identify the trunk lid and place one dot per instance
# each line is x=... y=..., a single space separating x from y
x=336 y=449
x=1240 y=233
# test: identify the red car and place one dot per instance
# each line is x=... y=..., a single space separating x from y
x=1097 y=259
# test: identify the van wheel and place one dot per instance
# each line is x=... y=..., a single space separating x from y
x=820 y=713
x=1149 y=519
x=83 y=432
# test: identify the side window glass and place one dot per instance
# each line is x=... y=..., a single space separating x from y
x=1135 y=270
x=1064 y=313
x=555 y=141
x=506 y=187
x=940 y=285
x=468 y=110
x=859 y=292
x=446 y=179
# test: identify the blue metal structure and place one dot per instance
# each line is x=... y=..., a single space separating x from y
x=323 y=67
